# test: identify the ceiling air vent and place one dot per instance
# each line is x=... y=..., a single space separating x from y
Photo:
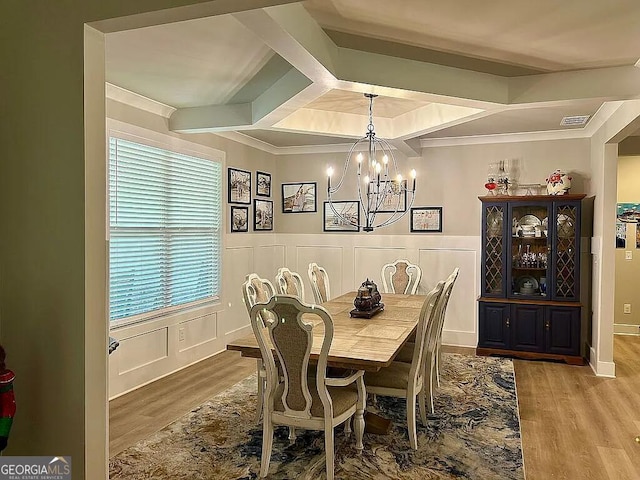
x=574 y=120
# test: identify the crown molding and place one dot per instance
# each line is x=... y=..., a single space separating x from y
x=119 y=94
x=248 y=141
x=506 y=138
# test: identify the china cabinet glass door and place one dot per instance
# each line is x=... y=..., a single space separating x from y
x=530 y=251
x=565 y=251
x=493 y=258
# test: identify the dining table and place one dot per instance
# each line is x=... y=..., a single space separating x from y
x=358 y=343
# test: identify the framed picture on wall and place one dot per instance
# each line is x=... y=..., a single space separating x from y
x=299 y=197
x=395 y=199
x=263 y=184
x=263 y=215
x=621 y=235
x=239 y=186
x=346 y=217
x=239 y=219
x=426 y=219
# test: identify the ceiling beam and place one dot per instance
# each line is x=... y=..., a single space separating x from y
x=211 y=118
x=263 y=111
x=292 y=33
x=411 y=148
x=614 y=83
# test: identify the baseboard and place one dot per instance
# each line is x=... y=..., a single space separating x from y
x=601 y=369
x=232 y=335
x=626 y=329
x=460 y=338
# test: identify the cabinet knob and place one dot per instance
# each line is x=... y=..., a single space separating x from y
x=546 y=324
x=507 y=322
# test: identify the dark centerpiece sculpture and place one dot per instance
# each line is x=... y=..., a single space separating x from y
x=367 y=301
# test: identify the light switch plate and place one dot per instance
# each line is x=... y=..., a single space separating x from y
x=626 y=308
x=628 y=255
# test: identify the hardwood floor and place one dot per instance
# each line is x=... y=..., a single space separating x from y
x=574 y=425
x=579 y=426
x=138 y=414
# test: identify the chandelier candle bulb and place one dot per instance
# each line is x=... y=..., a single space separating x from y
x=413 y=176
x=329 y=173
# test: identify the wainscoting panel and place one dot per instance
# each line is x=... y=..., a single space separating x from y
x=329 y=257
x=268 y=259
x=460 y=327
x=141 y=350
x=197 y=331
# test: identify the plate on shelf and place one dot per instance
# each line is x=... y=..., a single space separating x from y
x=566 y=227
x=545 y=223
x=529 y=220
x=521 y=280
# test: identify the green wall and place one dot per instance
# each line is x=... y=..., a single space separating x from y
x=43 y=299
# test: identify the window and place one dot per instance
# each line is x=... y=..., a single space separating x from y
x=165 y=229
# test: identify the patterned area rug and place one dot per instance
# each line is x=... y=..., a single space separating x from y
x=474 y=434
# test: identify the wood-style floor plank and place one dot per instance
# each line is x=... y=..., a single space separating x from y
x=577 y=425
x=574 y=424
x=138 y=414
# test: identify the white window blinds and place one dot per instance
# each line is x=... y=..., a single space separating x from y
x=165 y=228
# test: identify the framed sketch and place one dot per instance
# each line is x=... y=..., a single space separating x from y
x=263 y=215
x=263 y=184
x=299 y=197
x=426 y=219
x=239 y=219
x=349 y=214
x=239 y=186
x=621 y=235
x=395 y=200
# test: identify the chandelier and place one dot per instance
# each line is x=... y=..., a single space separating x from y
x=381 y=190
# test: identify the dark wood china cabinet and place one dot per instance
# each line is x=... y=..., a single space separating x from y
x=535 y=286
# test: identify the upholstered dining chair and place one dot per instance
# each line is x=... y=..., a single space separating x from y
x=401 y=276
x=300 y=396
x=319 y=283
x=258 y=290
x=290 y=283
x=433 y=343
x=406 y=380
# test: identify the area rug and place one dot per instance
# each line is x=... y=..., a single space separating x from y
x=474 y=434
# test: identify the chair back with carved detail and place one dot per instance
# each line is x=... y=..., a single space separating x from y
x=290 y=283
x=319 y=283
x=256 y=290
x=401 y=276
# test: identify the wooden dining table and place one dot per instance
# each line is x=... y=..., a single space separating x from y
x=358 y=343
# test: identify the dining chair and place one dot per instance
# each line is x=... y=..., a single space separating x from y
x=300 y=396
x=401 y=276
x=290 y=283
x=319 y=283
x=433 y=342
x=437 y=360
x=258 y=290
x=406 y=380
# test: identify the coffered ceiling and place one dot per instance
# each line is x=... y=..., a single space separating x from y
x=294 y=74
